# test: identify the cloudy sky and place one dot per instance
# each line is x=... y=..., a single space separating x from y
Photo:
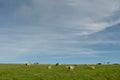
x=65 y=31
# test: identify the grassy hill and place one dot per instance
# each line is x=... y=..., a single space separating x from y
x=41 y=72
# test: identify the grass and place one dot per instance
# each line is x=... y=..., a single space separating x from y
x=40 y=72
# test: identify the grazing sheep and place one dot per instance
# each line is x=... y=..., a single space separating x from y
x=70 y=67
x=57 y=64
x=91 y=67
x=28 y=64
x=49 y=67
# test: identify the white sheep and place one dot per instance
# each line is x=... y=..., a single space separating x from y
x=28 y=64
x=91 y=67
x=70 y=67
x=49 y=67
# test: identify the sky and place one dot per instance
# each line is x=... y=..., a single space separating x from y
x=64 y=31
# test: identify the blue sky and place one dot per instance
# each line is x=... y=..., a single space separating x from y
x=65 y=31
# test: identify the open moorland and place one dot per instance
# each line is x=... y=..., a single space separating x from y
x=60 y=72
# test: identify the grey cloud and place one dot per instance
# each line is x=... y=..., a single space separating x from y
x=50 y=26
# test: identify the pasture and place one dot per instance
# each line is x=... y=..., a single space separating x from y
x=41 y=72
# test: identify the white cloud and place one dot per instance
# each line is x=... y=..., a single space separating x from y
x=60 y=13
x=58 y=24
x=85 y=16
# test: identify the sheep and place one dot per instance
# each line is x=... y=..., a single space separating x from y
x=91 y=67
x=49 y=67
x=28 y=64
x=70 y=67
x=57 y=64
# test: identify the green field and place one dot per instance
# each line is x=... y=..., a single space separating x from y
x=41 y=72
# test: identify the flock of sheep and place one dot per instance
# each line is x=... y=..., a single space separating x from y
x=68 y=67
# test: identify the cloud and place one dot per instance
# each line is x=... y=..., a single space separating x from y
x=85 y=17
x=55 y=27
